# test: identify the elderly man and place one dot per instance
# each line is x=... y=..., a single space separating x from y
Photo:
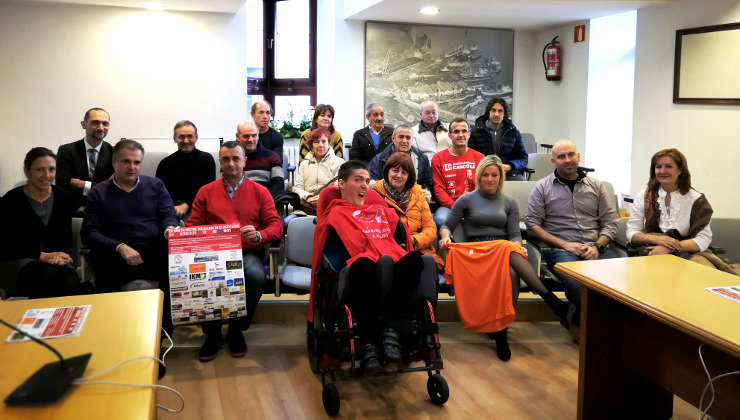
x=371 y=140
x=126 y=220
x=86 y=162
x=269 y=137
x=186 y=170
x=453 y=170
x=402 y=139
x=236 y=199
x=495 y=134
x=572 y=213
x=430 y=136
x=263 y=166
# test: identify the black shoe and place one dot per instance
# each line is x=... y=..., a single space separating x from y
x=210 y=347
x=502 y=344
x=558 y=307
x=370 y=362
x=237 y=344
x=391 y=346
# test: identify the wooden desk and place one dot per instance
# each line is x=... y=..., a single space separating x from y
x=119 y=326
x=643 y=319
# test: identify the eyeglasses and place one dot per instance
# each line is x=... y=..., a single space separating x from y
x=464 y=131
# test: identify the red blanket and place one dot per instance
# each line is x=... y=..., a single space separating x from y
x=365 y=231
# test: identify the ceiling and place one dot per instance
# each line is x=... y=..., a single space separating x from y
x=222 y=6
x=516 y=14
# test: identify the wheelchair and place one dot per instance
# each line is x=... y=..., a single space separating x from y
x=332 y=339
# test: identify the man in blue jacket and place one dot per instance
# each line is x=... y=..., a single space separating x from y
x=495 y=134
x=402 y=139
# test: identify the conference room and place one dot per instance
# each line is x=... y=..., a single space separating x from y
x=205 y=62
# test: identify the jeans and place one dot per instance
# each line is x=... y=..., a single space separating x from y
x=572 y=288
x=440 y=215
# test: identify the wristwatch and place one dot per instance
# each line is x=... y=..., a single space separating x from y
x=600 y=248
x=259 y=237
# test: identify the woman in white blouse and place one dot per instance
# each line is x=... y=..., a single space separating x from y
x=669 y=216
x=317 y=171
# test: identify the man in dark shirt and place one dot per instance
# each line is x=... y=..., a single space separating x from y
x=86 y=162
x=126 y=220
x=495 y=134
x=263 y=166
x=371 y=140
x=186 y=170
x=402 y=139
x=269 y=137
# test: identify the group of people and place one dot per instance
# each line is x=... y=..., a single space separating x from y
x=424 y=181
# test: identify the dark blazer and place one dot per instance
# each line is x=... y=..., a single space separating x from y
x=72 y=163
x=25 y=234
x=363 y=147
x=512 y=150
x=424 y=170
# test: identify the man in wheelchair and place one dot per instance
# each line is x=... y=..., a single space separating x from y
x=383 y=272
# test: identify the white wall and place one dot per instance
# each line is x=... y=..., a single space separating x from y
x=611 y=75
x=559 y=107
x=148 y=69
x=709 y=135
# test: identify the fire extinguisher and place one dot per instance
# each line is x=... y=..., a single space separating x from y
x=551 y=60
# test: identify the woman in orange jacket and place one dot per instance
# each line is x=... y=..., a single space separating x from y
x=400 y=190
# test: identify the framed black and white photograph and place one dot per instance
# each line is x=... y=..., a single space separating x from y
x=460 y=68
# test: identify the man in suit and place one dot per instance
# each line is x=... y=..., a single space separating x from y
x=371 y=140
x=86 y=162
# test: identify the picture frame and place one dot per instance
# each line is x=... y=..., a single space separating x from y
x=707 y=65
x=460 y=68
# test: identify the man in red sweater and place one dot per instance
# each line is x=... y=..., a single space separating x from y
x=453 y=170
x=236 y=199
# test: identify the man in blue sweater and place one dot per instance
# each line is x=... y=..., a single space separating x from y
x=126 y=220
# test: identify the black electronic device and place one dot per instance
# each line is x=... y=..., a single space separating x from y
x=50 y=382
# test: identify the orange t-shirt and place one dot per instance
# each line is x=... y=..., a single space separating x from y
x=480 y=274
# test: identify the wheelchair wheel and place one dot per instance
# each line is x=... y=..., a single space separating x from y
x=312 y=341
x=314 y=354
x=437 y=388
x=330 y=397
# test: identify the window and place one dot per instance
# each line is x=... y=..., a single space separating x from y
x=281 y=58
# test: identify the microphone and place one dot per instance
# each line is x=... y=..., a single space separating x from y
x=51 y=381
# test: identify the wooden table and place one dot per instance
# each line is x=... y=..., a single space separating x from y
x=643 y=319
x=119 y=326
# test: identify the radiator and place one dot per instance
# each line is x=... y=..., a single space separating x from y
x=291 y=152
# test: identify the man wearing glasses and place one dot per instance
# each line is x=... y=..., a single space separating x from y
x=453 y=170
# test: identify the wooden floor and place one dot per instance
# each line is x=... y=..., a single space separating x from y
x=274 y=380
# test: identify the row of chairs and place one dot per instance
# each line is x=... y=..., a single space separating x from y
x=296 y=247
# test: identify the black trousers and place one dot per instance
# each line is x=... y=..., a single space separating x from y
x=368 y=306
x=254 y=279
x=112 y=272
x=38 y=279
